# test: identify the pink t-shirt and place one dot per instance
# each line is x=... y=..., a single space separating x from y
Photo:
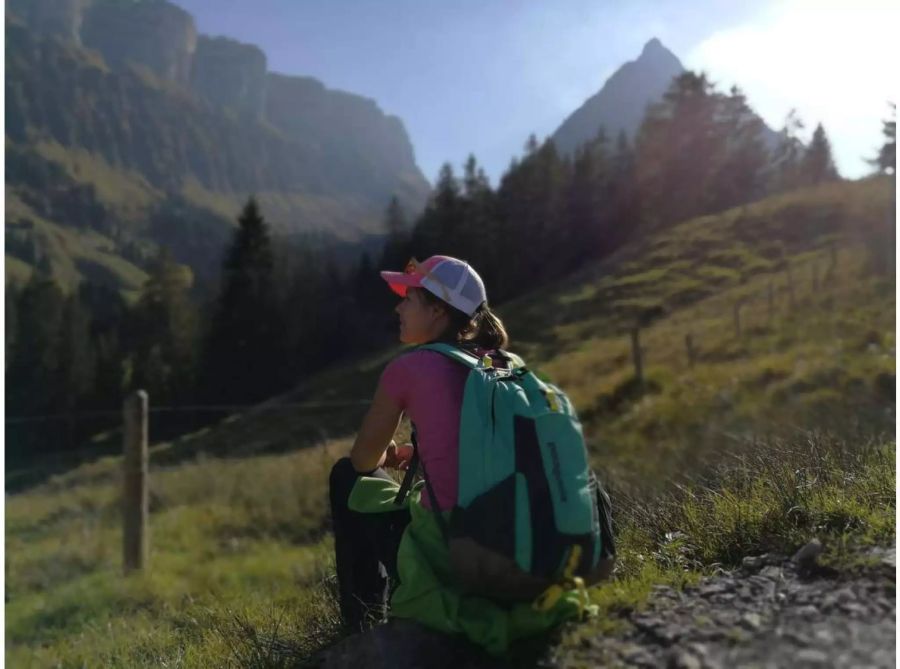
x=428 y=386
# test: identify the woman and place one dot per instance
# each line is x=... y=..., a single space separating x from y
x=376 y=542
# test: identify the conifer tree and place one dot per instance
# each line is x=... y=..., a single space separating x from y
x=886 y=162
x=241 y=358
x=739 y=173
x=395 y=251
x=31 y=376
x=165 y=333
x=786 y=164
x=11 y=312
x=438 y=228
x=624 y=210
x=110 y=316
x=582 y=223
x=818 y=165
x=678 y=145
x=478 y=230
x=76 y=361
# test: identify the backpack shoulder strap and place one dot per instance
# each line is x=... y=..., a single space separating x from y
x=453 y=352
x=468 y=358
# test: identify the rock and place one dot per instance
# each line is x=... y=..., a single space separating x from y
x=806 y=556
x=854 y=609
x=811 y=656
x=845 y=595
x=752 y=620
x=823 y=637
x=752 y=563
x=807 y=611
x=230 y=75
x=158 y=35
x=682 y=659
x=771 y=572
x=711 y=588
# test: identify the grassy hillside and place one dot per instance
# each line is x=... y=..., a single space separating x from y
x=240 y=551
x=70 y=254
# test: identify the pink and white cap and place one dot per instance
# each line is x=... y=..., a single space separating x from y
x=451 y=279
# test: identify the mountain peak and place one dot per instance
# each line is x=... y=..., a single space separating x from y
x=622 y=102
x=653 y=43
x=654 y=48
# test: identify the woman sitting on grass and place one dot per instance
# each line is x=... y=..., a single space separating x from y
x=399 y=553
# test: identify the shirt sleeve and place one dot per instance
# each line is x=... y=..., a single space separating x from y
x=396 y=380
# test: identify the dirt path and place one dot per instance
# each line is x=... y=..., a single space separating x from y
x=770 y=613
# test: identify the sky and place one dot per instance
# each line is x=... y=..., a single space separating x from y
x=479 y=76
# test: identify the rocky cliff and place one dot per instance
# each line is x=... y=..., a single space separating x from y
x=128 y=101
x=157 y=35
x=230 y=75
x=58 y=18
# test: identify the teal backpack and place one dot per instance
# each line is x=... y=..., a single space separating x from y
x=530 y=514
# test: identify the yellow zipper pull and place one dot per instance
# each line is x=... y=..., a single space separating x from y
x=552 y=400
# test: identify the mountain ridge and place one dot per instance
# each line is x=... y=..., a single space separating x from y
x=134 y=89
x=620 y=104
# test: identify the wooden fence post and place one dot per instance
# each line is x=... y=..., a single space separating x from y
x=689 y=345
x=135 y=506
x=637 y=355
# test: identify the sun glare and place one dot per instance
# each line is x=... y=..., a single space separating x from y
x=833 y=62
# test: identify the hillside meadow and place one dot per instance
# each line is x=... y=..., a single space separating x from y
x=775 y=431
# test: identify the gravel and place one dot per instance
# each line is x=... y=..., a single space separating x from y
x=772 y=612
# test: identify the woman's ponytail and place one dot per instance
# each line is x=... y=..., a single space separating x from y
x=486 y=330
x=483 y=329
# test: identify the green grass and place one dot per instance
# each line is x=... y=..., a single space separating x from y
x=231 y=540
x=124 y=190
x=772 y=437
x=73 y=254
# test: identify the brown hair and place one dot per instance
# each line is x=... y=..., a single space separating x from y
x=483 y=329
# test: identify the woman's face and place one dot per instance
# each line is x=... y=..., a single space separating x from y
x=420 y=321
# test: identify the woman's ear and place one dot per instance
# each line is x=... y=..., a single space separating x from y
x=438 y=310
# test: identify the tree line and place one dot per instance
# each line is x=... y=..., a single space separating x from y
x=284 y=310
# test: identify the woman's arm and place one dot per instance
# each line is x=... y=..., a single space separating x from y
x=375 y=433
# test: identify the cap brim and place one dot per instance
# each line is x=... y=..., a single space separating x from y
x=400 y=281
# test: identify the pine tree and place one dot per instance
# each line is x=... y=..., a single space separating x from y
x=395 y=251
x=241 y=358
x=165 y=333
x=437 y=231
x=76 y=360
x=31 y=376
x=582 y=223
x=739 y=176
x=109 y=316
x=818 y=166
x=886 y=162
x=11 y=311
x=678 y=145
x=478 y=230
x=785 y=171
x=623 y=212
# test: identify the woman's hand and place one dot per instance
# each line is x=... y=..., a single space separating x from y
x=398 y=457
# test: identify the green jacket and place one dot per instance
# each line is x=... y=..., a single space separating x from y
x=426 y=592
